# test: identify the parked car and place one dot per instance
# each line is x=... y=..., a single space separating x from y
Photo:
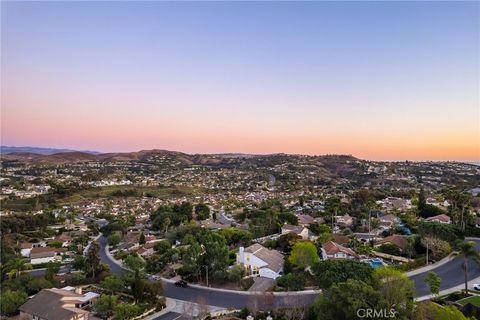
x=476 y=286
x=181 y=283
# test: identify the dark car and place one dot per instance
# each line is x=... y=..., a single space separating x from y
x=181 y=283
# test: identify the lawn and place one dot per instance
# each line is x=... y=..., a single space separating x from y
x=104 y=192
x=475 y=300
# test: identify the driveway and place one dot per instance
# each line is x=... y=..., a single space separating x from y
x=261 y=284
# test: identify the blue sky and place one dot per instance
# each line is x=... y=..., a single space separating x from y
x=302 y=77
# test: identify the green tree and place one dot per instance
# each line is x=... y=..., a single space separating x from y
x=432 y=311
x=433 y=281
x=331 y=272
x=134 y=262
x=304 y=254
x=113 y=284
x=105 y=305
x=202 y=211
x=343 y=300
x=236 y=273
x=11 y=300
x=292 y=281
x=468 y=251
x=396 y=289
x=79 y=263
x=125 y=311
x=137 y=287
x=162 y=246
x=92 y=260
x=114 y=239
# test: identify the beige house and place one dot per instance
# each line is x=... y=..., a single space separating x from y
x=58 y=304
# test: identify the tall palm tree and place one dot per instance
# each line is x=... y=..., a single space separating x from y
x=468 y=250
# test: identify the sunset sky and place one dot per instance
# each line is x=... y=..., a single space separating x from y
x=378 y=80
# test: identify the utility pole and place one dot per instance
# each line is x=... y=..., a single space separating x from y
x=206 y=267
x=369 y=218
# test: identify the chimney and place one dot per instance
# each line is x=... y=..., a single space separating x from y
x=241 y=255
x=78 y=290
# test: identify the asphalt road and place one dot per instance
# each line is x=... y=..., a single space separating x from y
x=451 y=274
x=168 y=316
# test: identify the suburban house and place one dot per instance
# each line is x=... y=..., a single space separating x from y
x=388 y=220
x=43 y=254
x=25 y=249
x=333 y=250
x=341 y=239
x=305 y=220
x=397 y=240
x=441 y=218
x=65 y=239
x=345 y=220
x=262 y=261
x=298 y=230
x=58 y=304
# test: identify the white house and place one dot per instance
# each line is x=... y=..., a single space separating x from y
x=25 y=249
x=298 y=230
x=43 y=255
x=333 y=250
x=261 y=261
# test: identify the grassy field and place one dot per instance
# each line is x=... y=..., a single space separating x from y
x=475 y=300
x=113 y=191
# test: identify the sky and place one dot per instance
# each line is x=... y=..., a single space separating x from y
x=378 y=80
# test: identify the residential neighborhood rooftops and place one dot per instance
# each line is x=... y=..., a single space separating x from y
x=396 y=239
x=332 y=248
x=53 y=304
x=273 y=258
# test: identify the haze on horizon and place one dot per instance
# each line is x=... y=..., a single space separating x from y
x=378 y=80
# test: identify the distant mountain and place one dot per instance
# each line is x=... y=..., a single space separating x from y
x=36 y=150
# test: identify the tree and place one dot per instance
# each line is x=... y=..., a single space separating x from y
x=304 y=254
x=236 y=273
x=113 y=284
x=92 y=260
x=343 y=300
x=292 y=281
x=11 y=300
x=79 y=263
x=433 y=282
x=137 y=287
x=134 y=262
x=142 y=240
x=151 y=291
x=105 y=305
x=52 y=269
x=396 y=289
x=202 y=211
x=125 y=311
x=191 y=259
x=432 y=311
x=13 y=267
x=330 y=272
x=468 y=251
x=162 y=246
x=114 y=239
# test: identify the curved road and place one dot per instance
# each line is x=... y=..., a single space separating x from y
x=451 y=274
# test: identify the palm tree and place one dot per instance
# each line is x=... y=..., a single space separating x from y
x=468 y=250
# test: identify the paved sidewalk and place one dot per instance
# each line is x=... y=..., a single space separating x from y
x=450 y=290
x=432 y=266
